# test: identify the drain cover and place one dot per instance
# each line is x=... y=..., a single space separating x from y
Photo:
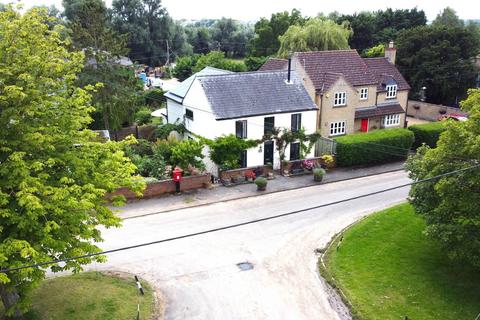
x=245 y=266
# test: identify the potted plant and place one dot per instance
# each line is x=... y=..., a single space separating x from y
x=318 y=174
x=249 y=175
x=261 y=183
x=238 y=179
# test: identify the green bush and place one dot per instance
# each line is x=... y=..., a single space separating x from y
x=187 y=153
x=374 y=147
x=143 y=116
x=261 y=182
x=427 y=133
x=163 y=131
x=225 y=150
x=154 y=97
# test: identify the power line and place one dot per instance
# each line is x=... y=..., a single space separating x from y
x=190 y=235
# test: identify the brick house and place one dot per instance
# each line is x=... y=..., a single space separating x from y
x=353 y=93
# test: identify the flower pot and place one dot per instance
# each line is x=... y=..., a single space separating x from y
x=261 y=188
x=317 y=178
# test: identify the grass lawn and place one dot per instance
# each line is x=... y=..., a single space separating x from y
x=388 y=270
x=89 y=296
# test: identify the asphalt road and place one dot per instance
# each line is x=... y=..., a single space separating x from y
x=199 y=276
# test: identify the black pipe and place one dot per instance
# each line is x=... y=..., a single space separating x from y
x=289 y=69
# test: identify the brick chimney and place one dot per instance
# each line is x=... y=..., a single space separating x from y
x=391 y=52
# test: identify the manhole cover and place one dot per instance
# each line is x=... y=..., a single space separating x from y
x=244 y=266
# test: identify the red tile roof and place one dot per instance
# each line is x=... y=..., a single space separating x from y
x=274 y=64
x=325 y=67
x=318 y=64
x=384 y=71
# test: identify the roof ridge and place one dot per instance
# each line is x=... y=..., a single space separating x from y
x=281 y=59
x=328 y=51
x=242 y=73
x=375 y=58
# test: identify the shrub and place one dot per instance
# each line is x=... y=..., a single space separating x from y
x=319 y=172
x=143 y=116
x=163 y=131
x=427 y=133
x=187 y=153
x=154 y=97
x=142 y=148
x=261 y=182
x=225 y=150
x=254 y=63
x=374 y=147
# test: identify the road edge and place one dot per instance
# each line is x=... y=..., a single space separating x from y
x=257 y=195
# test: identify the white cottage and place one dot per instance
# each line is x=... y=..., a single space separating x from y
x=216 y=102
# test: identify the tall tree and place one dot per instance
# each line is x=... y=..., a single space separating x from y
x=53 y=176
x=318 y=34
x=153 y=35
x=200 y=39
x=439 y=58
x=450 y=204
x=231 y=37
x=380 y=27
x=265 y=41
x=91 y=28
x=448 y=18
x=117 y=99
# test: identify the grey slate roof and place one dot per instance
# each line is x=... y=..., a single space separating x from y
x=247 y=94
x=178 y=93
x=382 y=109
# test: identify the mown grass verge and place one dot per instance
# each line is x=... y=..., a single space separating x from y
x=388 y=269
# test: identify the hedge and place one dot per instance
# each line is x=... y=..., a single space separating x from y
x=427 y=133
x=373 y=147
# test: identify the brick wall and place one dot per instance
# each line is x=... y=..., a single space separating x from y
x=167 y=186
x=287 y=166
x=228 y=174
x=429 y=111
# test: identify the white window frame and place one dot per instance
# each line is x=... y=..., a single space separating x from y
x=340 y=99
x=391 y=120
x=338 y=128
x=364 y=94
x=391 y=91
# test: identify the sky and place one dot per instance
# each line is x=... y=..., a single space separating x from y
x=252 y=10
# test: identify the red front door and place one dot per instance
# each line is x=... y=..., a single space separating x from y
x=364 y=127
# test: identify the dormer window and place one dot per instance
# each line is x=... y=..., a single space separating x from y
x=391 y=91
x=363 y=93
